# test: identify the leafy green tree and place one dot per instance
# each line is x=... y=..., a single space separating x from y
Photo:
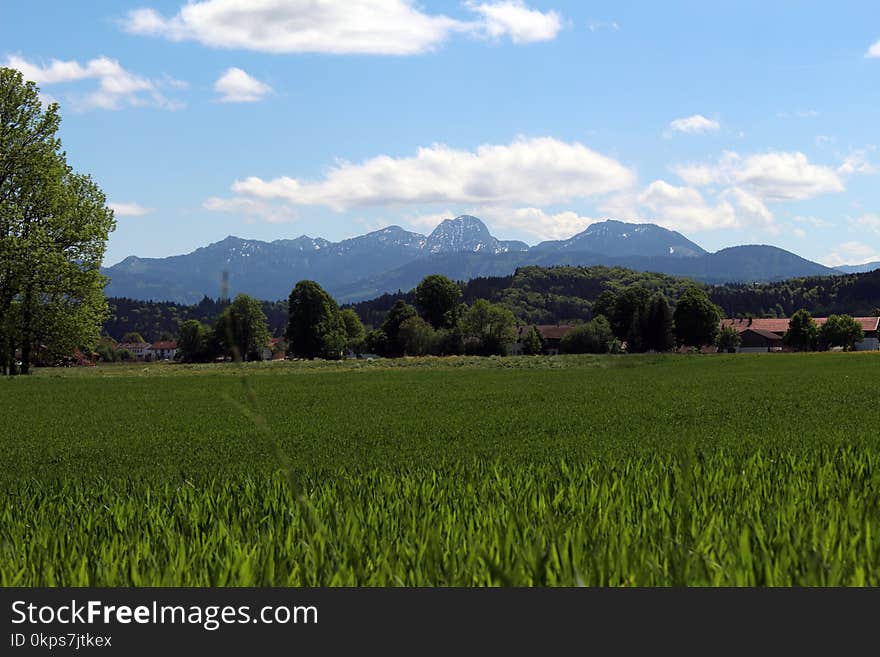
x=315 y=327
x=54 y=225
x=533 y=342
x=696 y=319
x=437 y=299
x=416 y=336
x=658 y=328
x=376 y=342
x=594 y=337
x=193 y=342
x=354 y=330
x=841 y=331
x=729 y=339
x=629 y=310
x=242 y=330
x=106 y=350
x=399 y=313
x=802 y=332
x=489 y=328
x=132 y=337
x=604 y=304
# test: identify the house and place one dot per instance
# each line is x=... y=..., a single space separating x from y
x=276 y=349
x=140 y=350
x=760 y=328
x=757 y=340
x=163 y=350
x=551 y=333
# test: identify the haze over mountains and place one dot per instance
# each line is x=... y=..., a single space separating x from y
x=462 y=248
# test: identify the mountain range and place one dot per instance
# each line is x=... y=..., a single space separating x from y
x=462 y=248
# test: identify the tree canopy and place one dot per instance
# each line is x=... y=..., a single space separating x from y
x=437 y=299
x=315 y=327
x=802 y=331
x=696 y=319
x=54 y=225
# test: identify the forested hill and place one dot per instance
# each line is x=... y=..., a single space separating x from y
x=561 y=294
x=547 y=295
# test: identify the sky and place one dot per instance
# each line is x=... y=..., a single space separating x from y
x=752 y=122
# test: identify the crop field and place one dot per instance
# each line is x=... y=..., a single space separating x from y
x=597 y=470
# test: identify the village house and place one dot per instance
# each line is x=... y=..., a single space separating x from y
x=765 y=334
x=163 y=350
x=275 y=350
x=140 y=350
x=551 y=333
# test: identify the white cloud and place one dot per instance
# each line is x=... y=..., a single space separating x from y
x=695 y=125
x=750 y=209
x=116 y=86
x=428 y=222
x=595 y=26
x=850 y=253
x=869 y=222
x=129 y=209
x=239 y=87
x=373 y=27
x=535 y=221
x=774 y=176
x=685 y=209
x=514 y=19
x=252 y=209
x=874 y=50
x=857 y=163
x=539 y=171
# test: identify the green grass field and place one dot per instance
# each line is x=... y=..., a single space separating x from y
x=612 y=470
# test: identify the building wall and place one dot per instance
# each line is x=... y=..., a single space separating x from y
x=868 y=344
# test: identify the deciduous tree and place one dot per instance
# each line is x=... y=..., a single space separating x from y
x=437 y=298
x=696 y=318
x=802 y=331
x=315 y=327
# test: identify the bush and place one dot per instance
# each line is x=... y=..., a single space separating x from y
x=590 y=338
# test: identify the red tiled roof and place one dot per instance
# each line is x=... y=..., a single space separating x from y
x=780 y=326
x=165 y=344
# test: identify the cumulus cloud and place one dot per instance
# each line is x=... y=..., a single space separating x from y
x=685 y=209
x=537 y=222
x=869 y=222
x=252 y=209
x=539 y=171
x=236 y=86
x=874 y=50
x=428 y=222
x=857 y=163
x=774 y=176
x=695 y=125
x=129 y=209
x=117 y=87
x=850 y=253
x=514 y=19
x=373 y=27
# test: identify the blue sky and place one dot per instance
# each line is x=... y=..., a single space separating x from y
x=752 y=122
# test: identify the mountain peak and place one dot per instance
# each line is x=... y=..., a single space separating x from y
x=468 y=234
x=615 y=238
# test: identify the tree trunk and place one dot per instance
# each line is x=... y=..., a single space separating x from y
x=27 y=332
